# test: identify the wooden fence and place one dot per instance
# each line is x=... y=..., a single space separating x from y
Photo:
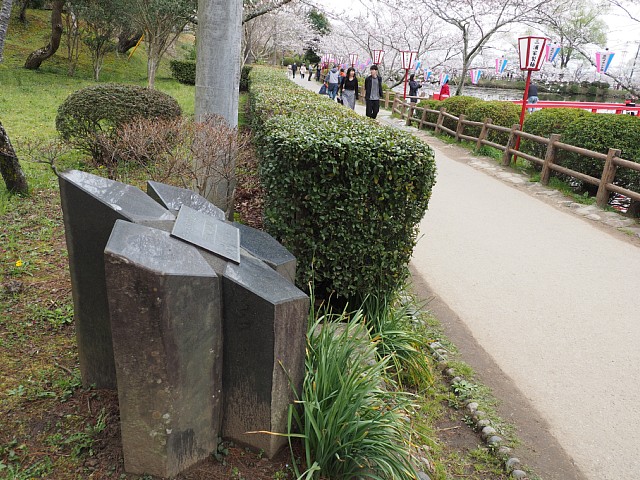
x=611 y=160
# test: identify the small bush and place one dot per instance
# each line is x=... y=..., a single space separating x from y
x=504 y=114
x=184 y=71
x=100 y=110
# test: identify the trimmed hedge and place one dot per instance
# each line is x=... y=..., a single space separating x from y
x=184 y=71
x=102 y=109
x=504 y=114
x=545 y=122
x=344 y=194
x=457 y=106
x=599 y=132
x=244 y=78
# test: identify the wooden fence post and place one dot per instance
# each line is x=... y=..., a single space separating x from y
x=549 y=158
x=483 y=132
x=440 y=119
x=423 y=117
x=393 y=107
x=506 y=159
x=387 y=99
x=410 y=114
x=460 y=127
x=608 y=175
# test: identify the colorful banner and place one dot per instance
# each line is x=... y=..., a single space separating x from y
x=427 y=73
x=501 y=64
x=475 y=75
x=417 y=65
x=552 y=52
x=443 y=78
x=603 y=61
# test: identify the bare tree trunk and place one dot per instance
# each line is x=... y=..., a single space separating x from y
x=36 y=58
x=152 y=63
x=23 y=11
x=218 y=80
x=10 y=169
x=5 y=14
x=127 y=40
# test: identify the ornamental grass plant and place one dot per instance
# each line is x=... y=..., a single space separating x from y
x=354 y=423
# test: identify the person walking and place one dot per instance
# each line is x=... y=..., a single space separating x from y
x=373 y=92
x=318 y=71
x=444 y=90
x=333 y=79
x=532 y=95
x=294 y=67
x=413 y=88
x=303 y=71
x=349 y=89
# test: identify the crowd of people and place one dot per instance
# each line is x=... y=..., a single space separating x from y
x=342 y=86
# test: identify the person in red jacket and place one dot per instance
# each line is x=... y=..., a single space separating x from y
x=444 y=90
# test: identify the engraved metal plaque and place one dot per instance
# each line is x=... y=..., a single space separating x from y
x=207 y=232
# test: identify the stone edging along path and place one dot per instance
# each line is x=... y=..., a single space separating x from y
x=482 y=425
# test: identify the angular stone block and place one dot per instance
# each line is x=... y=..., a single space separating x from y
x=91 y=205
x=263 y=246
x=172 y=198
x=165 y=310
x=204 y=231
x=264 y=329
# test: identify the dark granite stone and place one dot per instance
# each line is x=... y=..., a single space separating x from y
x=264 y=329
x=215 y=236
x=263 y=246
x=172 y=198
x=91 y=205
x=165 y=310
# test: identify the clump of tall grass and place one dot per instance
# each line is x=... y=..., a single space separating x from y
x=351 y=424
x=400 y=336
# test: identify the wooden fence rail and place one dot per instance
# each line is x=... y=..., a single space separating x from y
x=611 y=160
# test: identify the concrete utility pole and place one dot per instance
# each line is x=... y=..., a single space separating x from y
x=219 y=37
x=218 y=59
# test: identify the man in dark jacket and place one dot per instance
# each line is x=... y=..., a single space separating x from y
x=373 y=92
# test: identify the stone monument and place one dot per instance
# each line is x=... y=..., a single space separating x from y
x=195 y=320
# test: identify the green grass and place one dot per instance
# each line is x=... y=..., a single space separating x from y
x=29 y=98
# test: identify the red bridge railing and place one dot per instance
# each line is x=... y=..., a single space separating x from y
x=595 y=107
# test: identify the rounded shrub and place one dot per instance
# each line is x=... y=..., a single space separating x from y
x=545 y=122
x=457 y=105
x=600 y=132
x=504 y=114
x=244 y=78
x=184 y=71
x=101 y=109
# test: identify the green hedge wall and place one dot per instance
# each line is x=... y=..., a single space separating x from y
x=344 y=194
x=545 y=122
x=599 y=132
x=183 y=71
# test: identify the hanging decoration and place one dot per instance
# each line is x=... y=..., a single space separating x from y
x=603 y=61
x=501 y=64
x=552 y=52
x=475 y=74
x=443 y=78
